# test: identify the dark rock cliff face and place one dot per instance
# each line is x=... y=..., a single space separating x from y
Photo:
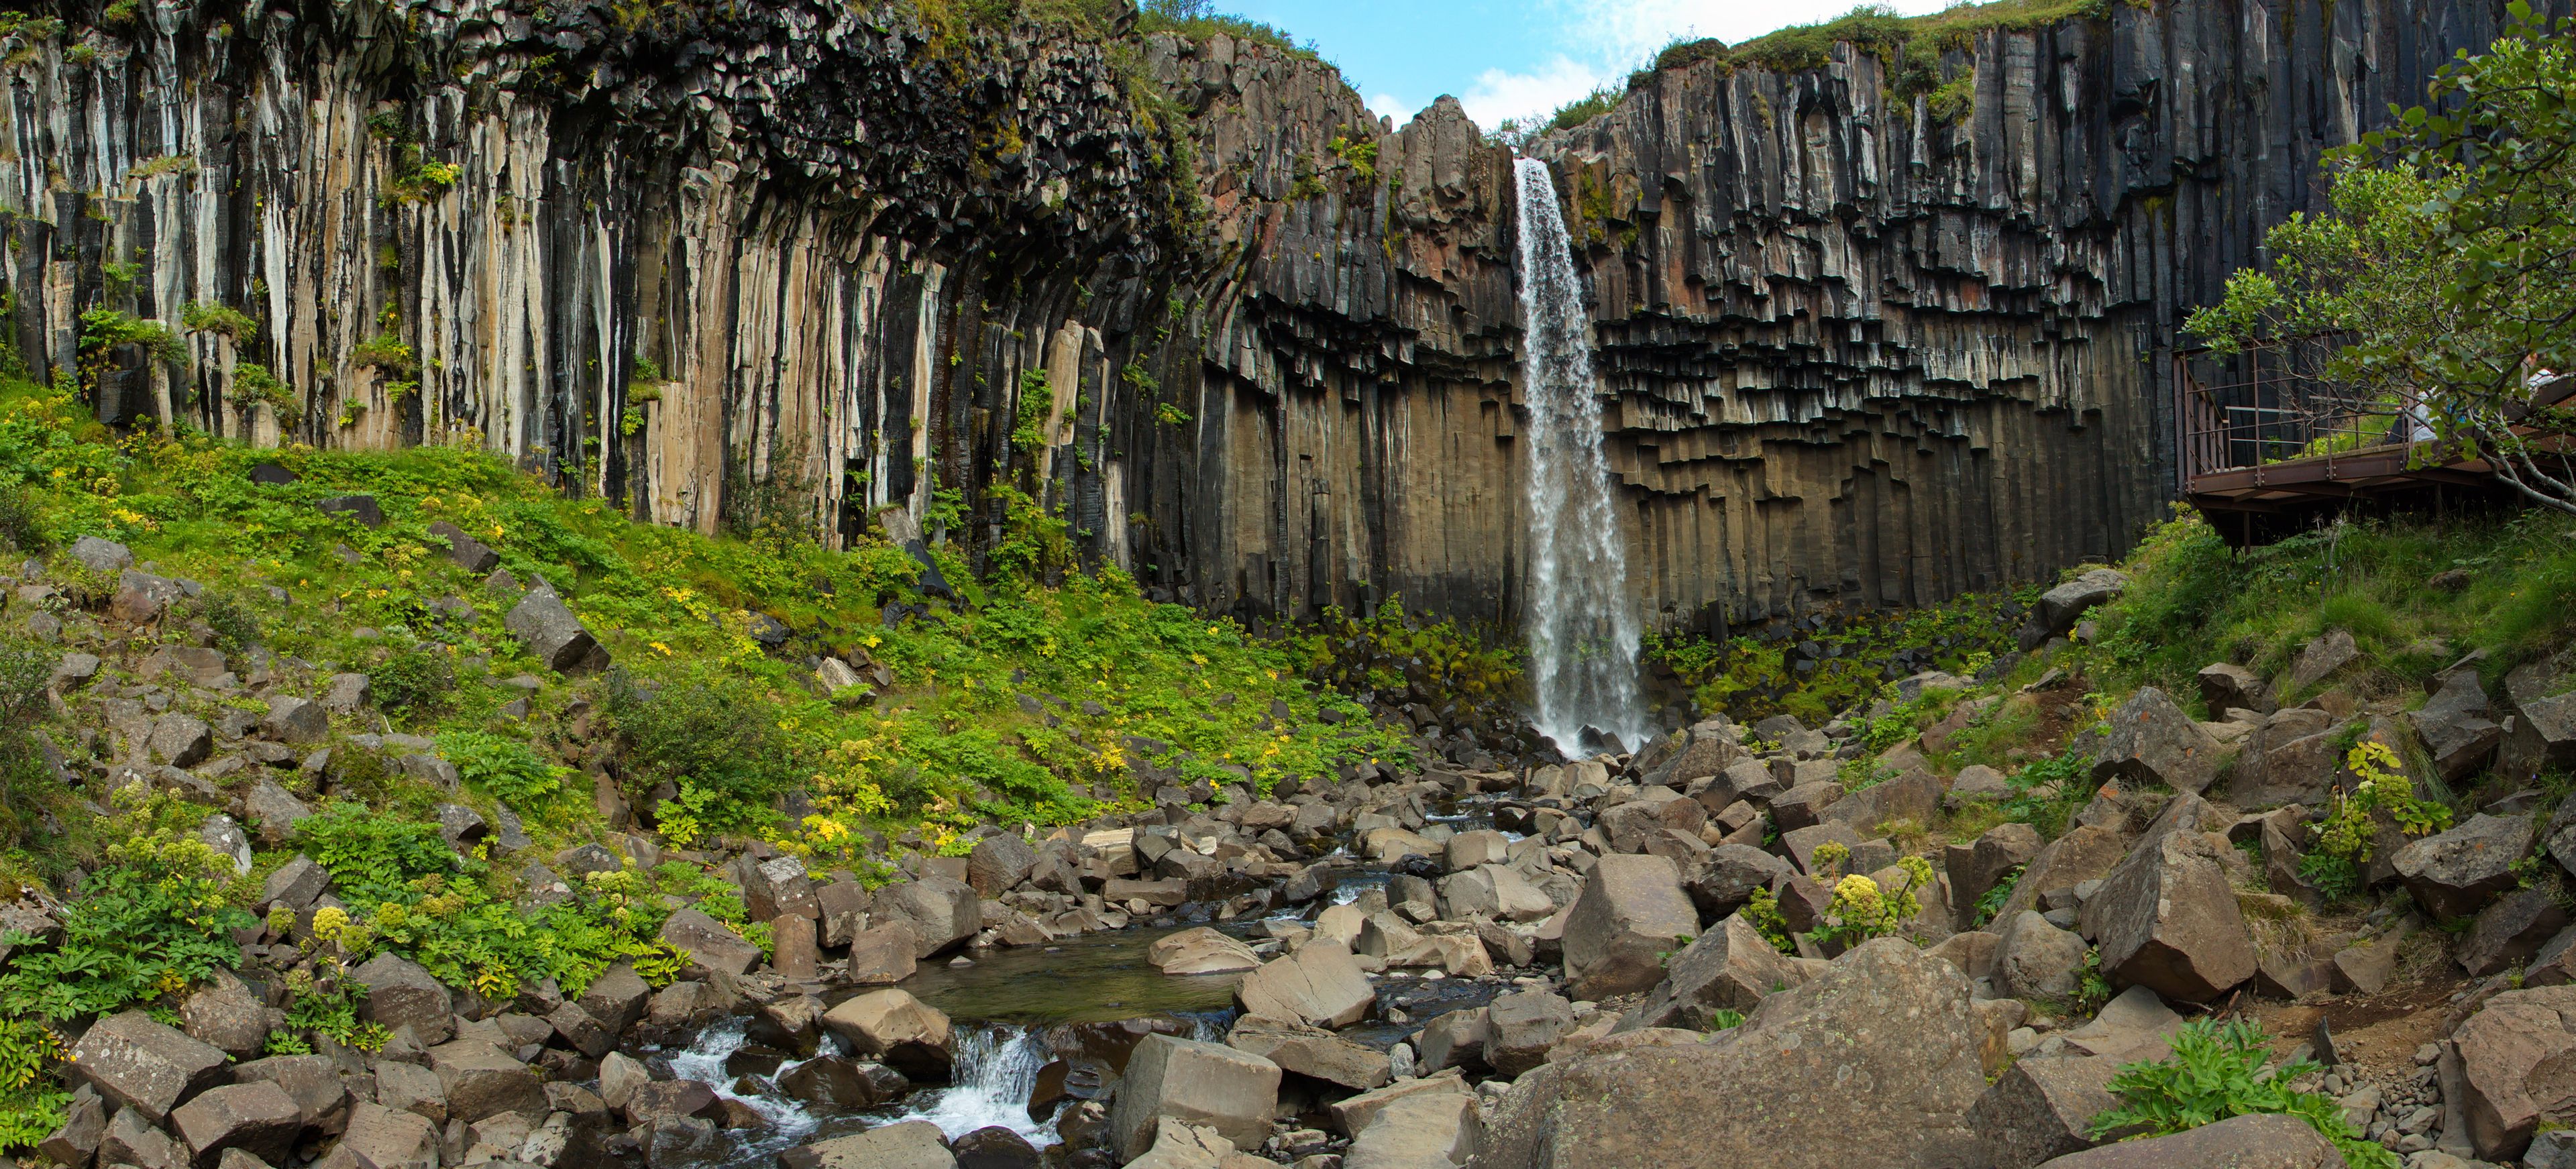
x=685 y=255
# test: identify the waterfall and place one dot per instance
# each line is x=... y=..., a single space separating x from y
x=996 y=1073
x=1582 y=628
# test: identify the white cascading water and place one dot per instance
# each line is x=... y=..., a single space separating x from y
x=996 y=1073
x=704 y=1061
x=1583 y=631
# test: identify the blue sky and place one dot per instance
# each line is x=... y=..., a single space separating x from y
x=1513 y=58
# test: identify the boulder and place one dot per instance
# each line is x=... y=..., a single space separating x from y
x=313 y=1081
x=1320 y=985
x=295 y=720
x=409 y=1087
x=276 y=812
x=1976 y=867
x=659 y=1099
x=1468 y=850
x=1452 y=1039
x=1728 y=877
x=181 y=740
x=843 y=1083
x=2323 y=658
x=2291 y=758
x=257 y=1118
x=942 y=911
x=712 y=945
x=910 y=1144
x=2455 y=873
x=1184 y=1146
x=2059 y=607
x=1352 y=1115
x=1632 y=911
x=2510 y=931
x=2036 y=960
x=776 y=888
x=891 y=1026
x=480 y=1081
x=994 y=1147
x=1652 y=811
x=2517 y=1060
x=1432 y=1131
x=2151 y=741
x=2166 y=917
x=548 y=631
x=385 y=1139
x=1201 y=950
x=100 y=556
x=400 y=993
x=1311 y=1051
x=132 y=1140
x=580 y=1031
x=998 y=863
x=1729 y=967
x=1874 y=1062
x=2544 y=723
x=1205 y=1084
x=2261 y=1141
x=1522 y=1026
x=465 y=551
x=2087 y=852
x=883 y=956
x=1914 y=794
x=619 y=1076
x=2453 y=724
x=84 y=1126
x=2043 y=1107
x=616 y=998
x=145 y=1065
x=2225 y=687
x=224 y=1014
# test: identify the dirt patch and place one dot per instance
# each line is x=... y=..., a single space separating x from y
x=2377 y=1032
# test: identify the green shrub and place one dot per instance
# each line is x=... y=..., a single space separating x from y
x=21 y=528
x=507 y=768
x=2216 y=1072
x=26 y=783
x=372 y=857
x=152 y=922
x=328 y=1005
x=230 y=614
x=693 y=733
x=415 y=681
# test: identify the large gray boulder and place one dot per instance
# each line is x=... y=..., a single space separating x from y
x=2544 y=722
x=2087 y=852
x=387 y=1139
x=1875 y=1062
x=145 y=1065
x=776 y=888
x=1977 y=866
x=998 y=863
x=896 y=1029
x=1204 y=1084
x=942 y=911
x=481 y=1081
x=2152 y=741
x=2455 y=729
x=1320 y=985
x=2455 y=873
x=2262 y=1141
x=711 y=944
x=1522 y=1026
x=1730 y=967
x=2225 y=687
x=910 y=1144
x=401 y=993
x=2036 y=960
x=2517 y=1063
x=1428 y=1131
x=2043 y=1107
x=550 y=633
x=2060 y=606
x=2323 y=658
x=1312 y=1051
x=257 y=1118
x=1632 y=912
x=465 y=551
x=2291 y=758
x=2166 y=917
x=1914 y=794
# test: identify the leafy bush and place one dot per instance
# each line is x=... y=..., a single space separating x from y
x=2216 y=1072
x=507 y=768
x=21 y=529
x=153 y=921
x=693 y=733
x=1825 y=664
x=415 y=681
x=1861 y=910
x=26 y=783
x=328 y=1004
x=372 y=857
x=230 y=614
x=2345 y=840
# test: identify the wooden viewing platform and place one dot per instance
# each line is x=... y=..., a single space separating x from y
x=2241 y=447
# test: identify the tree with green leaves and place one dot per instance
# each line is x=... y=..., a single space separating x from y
x=2448 y=258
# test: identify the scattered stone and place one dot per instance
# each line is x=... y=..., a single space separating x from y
x=385 y=1139
x=1319 y=985
x=465 y=551
x=943 y=911
x=1194 y=1083
x=1311 y=1051
x=257 y=1118
x=480 y=1081
x=276 y=812
x=2225 y=687
x=1729 y=967
x=712 y=945
x=2455 y=873
x=2517 y=1064
x=2042 y=1108
x=1632 y=912
x=910 y=1144
x=2151 y=741
x=1202 y=950
x=144 y=1065
x=2455 y=729
x=362 y=508
x=1418 y=1132
x=891 y=1026
x=2321 y=660
x=2166 y=916
x=2036 y=960
x=400 y=993
x=552 y=635
x=2261 y=1141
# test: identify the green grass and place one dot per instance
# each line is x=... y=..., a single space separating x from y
x=2195 y=602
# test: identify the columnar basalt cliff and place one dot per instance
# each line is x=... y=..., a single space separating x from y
x=1258 y=346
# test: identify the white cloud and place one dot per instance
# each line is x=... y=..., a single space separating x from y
x=1499 y=94
x=1389 y=105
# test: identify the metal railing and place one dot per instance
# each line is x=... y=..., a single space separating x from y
x=2273 y=402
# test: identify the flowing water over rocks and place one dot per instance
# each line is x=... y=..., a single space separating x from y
x=1581 y=622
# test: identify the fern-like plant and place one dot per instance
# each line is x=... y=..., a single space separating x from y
x=2217 y=1072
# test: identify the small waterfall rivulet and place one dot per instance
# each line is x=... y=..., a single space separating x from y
x=1582 y=627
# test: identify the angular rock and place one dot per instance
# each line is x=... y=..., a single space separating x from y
x=778 y=887
x=2262 y=1141
x=895 y=1028
x=386 y=1139
x=1200 y=951
x=661 y=1099
x=1887 y=1059
x=1311 y=1051
x=942 y=911
x=400 y=993
x=843 y=1083
x=2517 y=1064
x=1319 y=985
x=711 y=944
x=616 y=998
x=1976 y=867
x=1453 y=1039
x=2320 y=660
x=910 y=1144
x=2042 y=1108
x=225 y=1016
x=2036 y=960
x=77 y=1138
x=1631 y=912
x=550 y=633
x=406 y=1087
x=2544 y=723
x=144 y=1065
x=2166 y=917
x=2455 y=729
x=1418 y=1132
x=2225 y=687
x=1729 y=967
x=2510 y=931
x=1728 y=877
x=257 y=1118
x=2152 y=741
x=1522 y=1026
x=480 y=1081
x=2455 y=873
x=276 y=812
x=999 y=863
x=313 y=1081
x=181 y=740
x=465 y=551
x=1194 y=1083
x=295 y=720
x=883 y=956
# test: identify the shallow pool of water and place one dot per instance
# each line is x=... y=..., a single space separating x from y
x=1095 y=978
